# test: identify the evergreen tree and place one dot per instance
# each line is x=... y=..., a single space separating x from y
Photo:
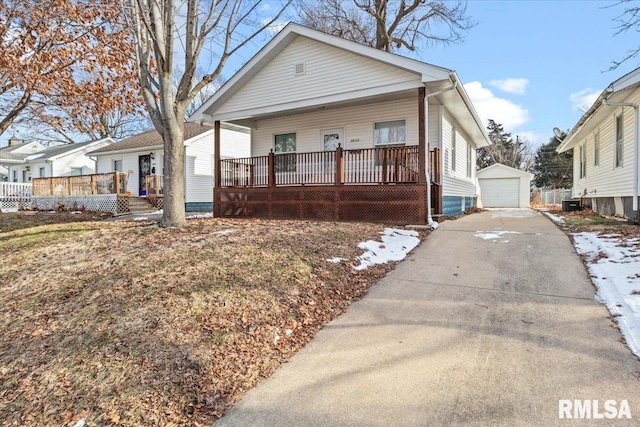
x=553 y=169
x=503 y=149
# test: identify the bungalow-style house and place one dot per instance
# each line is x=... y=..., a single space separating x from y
x=15 y=155
x=605 y=144
x=141 y=157
x=342 y=131
x=59 y=160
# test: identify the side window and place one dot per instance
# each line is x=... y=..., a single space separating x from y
x=596 y=148
x=619 y=141
x=453 y=149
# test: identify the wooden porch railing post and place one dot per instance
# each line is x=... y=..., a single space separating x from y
x=116 y=182
x=339 y=166
x=94 y=187
x=272 y=169
x=384 y=165
x=422 y=139
x=68 y=186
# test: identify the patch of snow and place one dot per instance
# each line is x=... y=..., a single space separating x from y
x=494 y=235
x=9 y=209
x=335 y=260
x=80 y=423
x=614 y=264
x=141 y=218
x=514 y=213
x=224 y=232
x=276 y=338
x=288 y=331
x=554 y=218
x=76 y=213
x=394 y=247
x=198 y=216
x=158 y=212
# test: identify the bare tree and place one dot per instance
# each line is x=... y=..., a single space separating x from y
x=389 y=24
x=213 y=28
x=629 y=19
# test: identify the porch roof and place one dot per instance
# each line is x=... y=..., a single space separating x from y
x=433 y=77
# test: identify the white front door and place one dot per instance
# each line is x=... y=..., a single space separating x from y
x=331 y=138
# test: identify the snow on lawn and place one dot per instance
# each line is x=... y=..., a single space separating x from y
x=394 y=247
x=198 y=216
x=614 y=264
x=554 y=218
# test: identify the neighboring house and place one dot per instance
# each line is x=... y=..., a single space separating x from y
x=141 y=157
x=605 y=144
x=502 y=186
x=356 y=134
x=14 y=156
x=59 y=160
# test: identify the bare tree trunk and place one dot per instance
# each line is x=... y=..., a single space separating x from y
x=174 y=207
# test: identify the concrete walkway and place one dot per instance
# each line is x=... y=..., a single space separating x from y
x=467 y=331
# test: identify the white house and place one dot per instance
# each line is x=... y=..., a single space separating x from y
x=142 y=155
x=605 y=144
x=14 y=156
x=59 y=160
x=502 y=186
x=307 y=93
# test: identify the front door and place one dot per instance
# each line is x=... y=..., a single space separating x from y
x=144 y=166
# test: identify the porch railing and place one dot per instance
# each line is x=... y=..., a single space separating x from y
x=81 y=185
x=356 y=166
x=155 y=186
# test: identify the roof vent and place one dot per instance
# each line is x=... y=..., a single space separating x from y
x=300 y=68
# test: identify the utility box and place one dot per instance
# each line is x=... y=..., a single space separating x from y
x=571 y=205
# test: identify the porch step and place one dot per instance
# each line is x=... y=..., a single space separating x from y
x=140 y=205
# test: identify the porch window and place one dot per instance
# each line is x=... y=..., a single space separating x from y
x=390 y=133
x=453 y=149
x=619 y=142
x=41 y=172
x=117 y=165
x=583 y=161
x=285 y=143
x=596 y=148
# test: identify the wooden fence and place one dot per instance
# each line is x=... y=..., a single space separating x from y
x=82 y=185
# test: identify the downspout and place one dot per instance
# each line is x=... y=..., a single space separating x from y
x=430 y=220
x=636 y=150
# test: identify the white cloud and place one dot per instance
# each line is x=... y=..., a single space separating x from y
x=501 y=110
x=583 y=99
x=276 y=26
x=515 y=86
x=533 y=139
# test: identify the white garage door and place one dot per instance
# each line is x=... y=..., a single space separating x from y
x=500 y=192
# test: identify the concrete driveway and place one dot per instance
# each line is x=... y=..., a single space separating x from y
x=490 y=328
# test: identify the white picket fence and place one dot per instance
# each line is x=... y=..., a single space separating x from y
x=15 y=195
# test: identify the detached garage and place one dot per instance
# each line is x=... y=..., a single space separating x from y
x=504 y=187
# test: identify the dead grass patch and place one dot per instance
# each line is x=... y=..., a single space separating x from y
x=131 y=324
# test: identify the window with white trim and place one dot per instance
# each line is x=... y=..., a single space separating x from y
x=619 y=140
x=117 y=165
x=285 y=148
x=583 y=161
x=596 y=148
x=453 y=149
x=390 y=133
x=41 y=173
x=469 y=161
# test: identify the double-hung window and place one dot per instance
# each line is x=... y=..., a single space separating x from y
x=583 y=161
x=117 y=165
x=285 y=148
x=619 y=142
x=469 y=161
x=596 y=148
x=453 y=149
x=390 y=133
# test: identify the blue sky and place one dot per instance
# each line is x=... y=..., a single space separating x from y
x=530 y=65
x=559 y=52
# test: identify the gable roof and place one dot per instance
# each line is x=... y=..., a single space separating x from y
x=13 y=154
x=504 y=168
x=151 y=139
x=617 y=91
x=434 y=77
x=55 y=152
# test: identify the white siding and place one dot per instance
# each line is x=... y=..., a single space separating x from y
x=129 y=163
x=456 y=183
x=35 y=170
x=607 y=180
x=357 y=122
x=329 y=71
x=433 y=117
x=234 y=144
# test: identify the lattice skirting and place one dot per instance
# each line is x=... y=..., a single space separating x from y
x=96 y=203
x=375 y=203
x=157 y=202
x=15 y=203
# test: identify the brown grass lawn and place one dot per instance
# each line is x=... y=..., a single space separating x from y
x=587 y=220
x=130 y=324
